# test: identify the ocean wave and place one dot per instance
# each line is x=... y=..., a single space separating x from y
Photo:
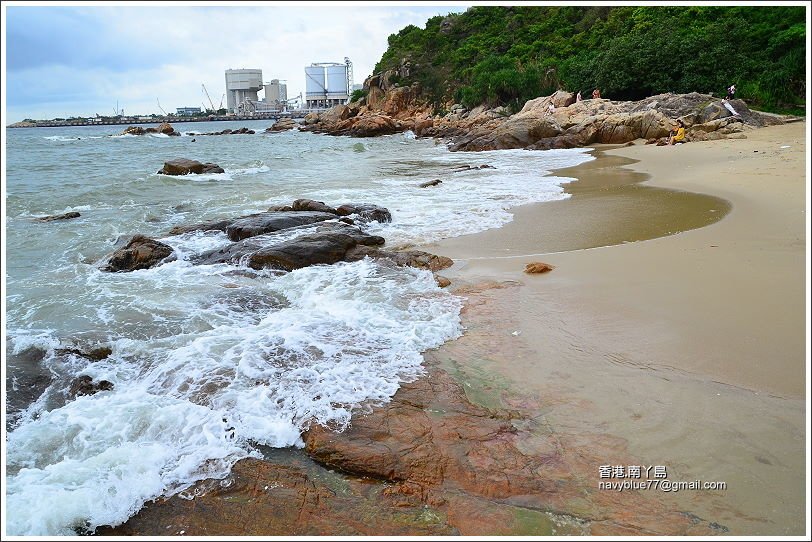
x=186 y=406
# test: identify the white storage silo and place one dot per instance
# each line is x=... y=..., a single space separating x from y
x=315 y=83
x=337 y=82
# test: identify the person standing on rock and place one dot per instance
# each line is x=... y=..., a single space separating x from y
x=578 y=97
x=551 y=109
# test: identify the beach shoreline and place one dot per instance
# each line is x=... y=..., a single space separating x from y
x=687 y=348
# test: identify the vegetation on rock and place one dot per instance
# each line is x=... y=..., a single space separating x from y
x=498 y=55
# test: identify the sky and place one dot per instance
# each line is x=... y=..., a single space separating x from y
x=67 y=60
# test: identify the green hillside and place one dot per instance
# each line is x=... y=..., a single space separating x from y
x=507 y=55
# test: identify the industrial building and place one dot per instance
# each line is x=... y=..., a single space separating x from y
x=241 y=89
x=328 y=84
x=276 y=93
x=188 y=111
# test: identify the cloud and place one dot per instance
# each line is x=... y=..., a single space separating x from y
x=81 y=60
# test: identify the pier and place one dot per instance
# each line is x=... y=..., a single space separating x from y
x=132 y=120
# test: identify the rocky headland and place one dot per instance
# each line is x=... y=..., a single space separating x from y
x=388 y=108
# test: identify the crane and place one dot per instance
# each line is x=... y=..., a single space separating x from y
x=209 y=97
x=161 y=108
x=221 y=101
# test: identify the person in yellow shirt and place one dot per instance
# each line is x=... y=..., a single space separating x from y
x=678 y=133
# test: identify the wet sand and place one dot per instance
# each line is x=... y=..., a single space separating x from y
x=686 y=351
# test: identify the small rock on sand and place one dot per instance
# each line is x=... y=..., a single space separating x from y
x=538 y=267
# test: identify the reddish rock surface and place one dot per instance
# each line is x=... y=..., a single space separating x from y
x=428 y=463
x=538 y=267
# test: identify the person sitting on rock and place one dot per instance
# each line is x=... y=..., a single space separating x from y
x=551 y=108
x=677 y=134
x=596 y=94
x=731 y=90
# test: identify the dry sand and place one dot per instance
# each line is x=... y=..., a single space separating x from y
x=686 y=350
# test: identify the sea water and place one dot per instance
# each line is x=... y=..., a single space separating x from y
x=210 y=361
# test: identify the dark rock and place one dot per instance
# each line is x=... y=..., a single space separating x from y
x=51 y=218
x=311 y=205
x=184 y=166
x=302 y=252
x=94 y=354
x=134 y=130
x=280 y=208
x=267 y=222
x=426 y=184
x=219 y=225
x=140 y=253
x=365 y=211
x=84 y=385
x=317 y=243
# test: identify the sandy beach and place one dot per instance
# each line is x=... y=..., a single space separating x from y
x=683 y=350
x=669 y=337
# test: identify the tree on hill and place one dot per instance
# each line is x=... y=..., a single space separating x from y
x=500 y=55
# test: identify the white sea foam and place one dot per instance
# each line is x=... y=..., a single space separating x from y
x=249 y=170
x=96 y=460
x=342 y=335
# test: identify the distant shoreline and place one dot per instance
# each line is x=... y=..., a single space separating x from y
x=132 y=121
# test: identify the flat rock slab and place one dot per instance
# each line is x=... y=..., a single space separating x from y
x=271 y=221
x=260 y=498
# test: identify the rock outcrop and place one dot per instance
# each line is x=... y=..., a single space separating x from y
x=282 y=125
x=163 y=128
x=604 y=121
x=184 y=166
x=139 y=253
x=389 y=108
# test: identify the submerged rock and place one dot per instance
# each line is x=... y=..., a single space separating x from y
x=410 y=258
x=139 y=253
x=184 y=166
x=365 y=211
x=427 y=184
x=52 y=218
x=84 y=385
x=212 y=225
x=93 y=354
